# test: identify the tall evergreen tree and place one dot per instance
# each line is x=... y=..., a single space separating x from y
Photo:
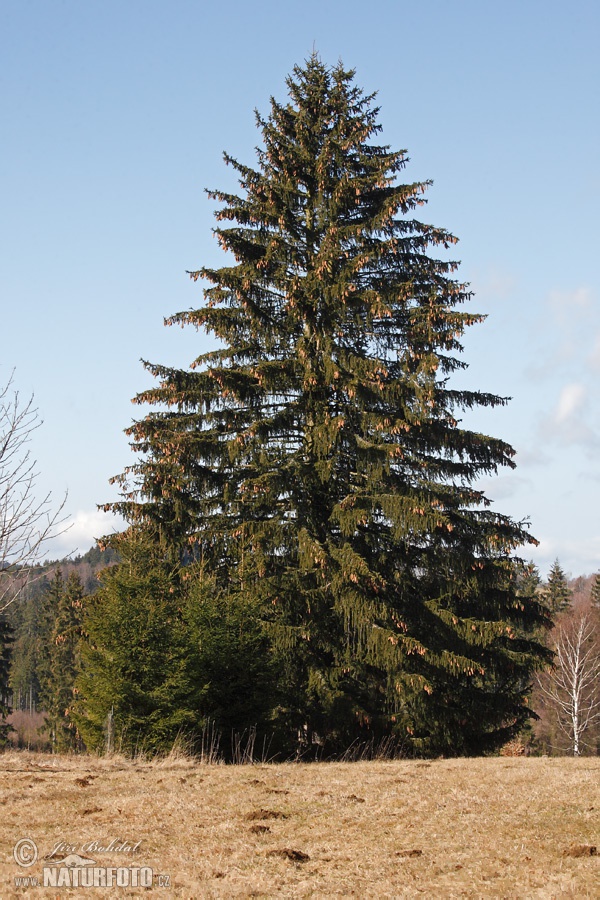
x=315 y=461
x=557 y=593
x=25 y=618
x=595 y=593
x=63 y=664
x=6 y=640
x=40 y=634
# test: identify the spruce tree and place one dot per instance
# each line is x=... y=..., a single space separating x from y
x=529 y=581
x=41 y=636
x=167 y=656
x=557 y=593
x=132 y=692
x=316 y=462
x=6 y=640
x=59 y=685
x=595 y=593
x=26 y=619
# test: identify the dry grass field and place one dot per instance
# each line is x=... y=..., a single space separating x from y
x=497 y=827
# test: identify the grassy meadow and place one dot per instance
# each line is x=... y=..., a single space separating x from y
x=496 y=827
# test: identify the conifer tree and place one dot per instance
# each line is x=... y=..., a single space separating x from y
x=316 y=462
x=6 y=640
x=27 y=619
x=59 y=686
x=529 y=580
x=557 y=592
x=130 y=691
x=595 y=593
x=41 y=637
x=165 y=656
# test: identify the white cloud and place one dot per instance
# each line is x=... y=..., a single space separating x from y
x=81 y=533
x=567 y=423
x=571 y=400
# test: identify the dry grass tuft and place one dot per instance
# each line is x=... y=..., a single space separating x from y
x=510 y=827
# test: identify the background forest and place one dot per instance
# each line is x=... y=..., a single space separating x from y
x=50 y=644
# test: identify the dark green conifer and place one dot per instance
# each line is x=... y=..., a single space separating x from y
x=315 y=461
x=557 y=593
x=167 y=656
x=58 y=670
x=6 y=640
x=130 y=691
x=31 y=641
x=529 y=581
x=41 y=636
x=595 y=594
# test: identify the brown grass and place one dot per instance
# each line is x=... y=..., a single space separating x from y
x=475 y=828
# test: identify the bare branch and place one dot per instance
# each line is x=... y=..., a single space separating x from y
x=27 y=523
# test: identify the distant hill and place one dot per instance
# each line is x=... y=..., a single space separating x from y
x=87 y=566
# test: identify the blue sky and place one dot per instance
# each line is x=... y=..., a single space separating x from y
x=114 y=119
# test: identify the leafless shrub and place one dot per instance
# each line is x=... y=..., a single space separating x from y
x=27 y=523
x=27 y=731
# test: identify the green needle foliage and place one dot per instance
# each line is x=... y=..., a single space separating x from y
x=58 y=661
x=6 y=641
x=315 y=462
x=132 y=691
x=166 y=656
x=557 y=592
x=595 y=592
